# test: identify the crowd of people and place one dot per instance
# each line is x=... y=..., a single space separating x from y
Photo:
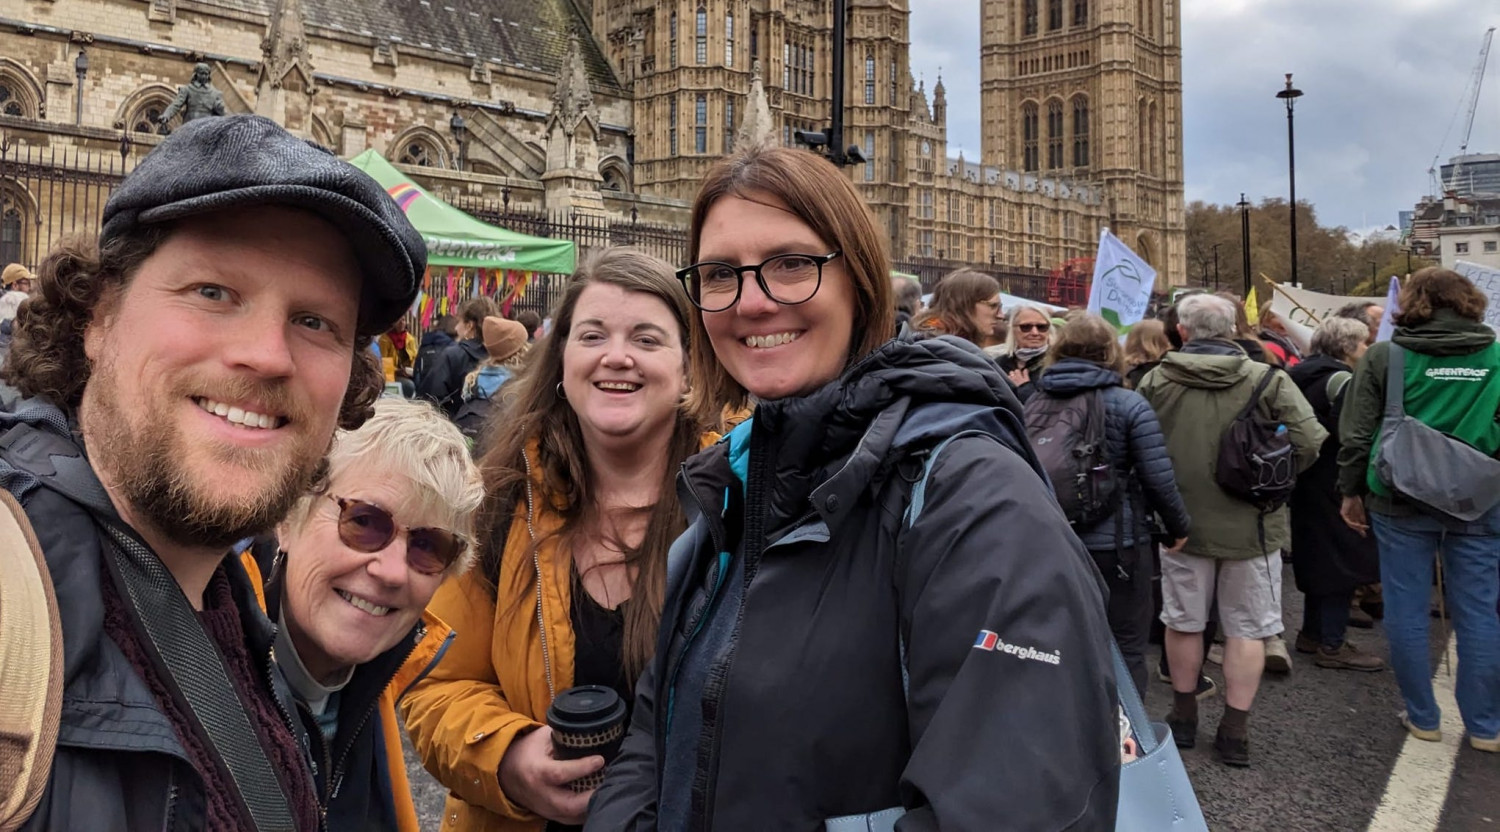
x=765 y=541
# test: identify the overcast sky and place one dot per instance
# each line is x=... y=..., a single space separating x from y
x=1383 y=82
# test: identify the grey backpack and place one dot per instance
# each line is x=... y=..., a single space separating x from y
x=1427 y=466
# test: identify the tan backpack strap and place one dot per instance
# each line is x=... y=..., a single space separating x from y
x=31 y=667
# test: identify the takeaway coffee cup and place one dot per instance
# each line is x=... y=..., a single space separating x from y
x=587 y=721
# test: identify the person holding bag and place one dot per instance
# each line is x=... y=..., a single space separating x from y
x=1436 y=386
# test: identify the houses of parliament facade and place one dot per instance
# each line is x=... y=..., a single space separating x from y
x=618 y=108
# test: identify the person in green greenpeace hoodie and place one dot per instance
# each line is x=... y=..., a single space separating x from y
x=1452 y=385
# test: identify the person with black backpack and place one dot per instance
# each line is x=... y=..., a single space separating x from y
x=1104 y=452
x=442 y=381
x=1238 y=433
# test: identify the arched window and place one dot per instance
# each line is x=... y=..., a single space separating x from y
x=1156 y=153
x=1054 y=134
x=672 y=40
x=729 y=40
x=1142 y=140
x=700 y=43
x=672 y=126
x=895 y=77
x=11 y=103
x=869 y=77
x=420 y=152
x=1054 y=15
x=1030 y=131
x=1028 y=16
x=143 y=119
x=700 y=124
x=10 y=231
x=1080 y=132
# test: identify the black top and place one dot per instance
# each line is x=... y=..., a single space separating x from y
x=598 y=655
x=599 y=646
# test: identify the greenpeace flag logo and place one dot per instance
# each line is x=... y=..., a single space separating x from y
x=992 y=643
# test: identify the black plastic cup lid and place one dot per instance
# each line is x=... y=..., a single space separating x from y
x=586 y=708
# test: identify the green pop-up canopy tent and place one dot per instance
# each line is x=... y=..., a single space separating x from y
x=457 y=239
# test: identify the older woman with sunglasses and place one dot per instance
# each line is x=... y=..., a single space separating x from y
x=820 y=656
x=1026 y=348
x=578 y=513
x=352 y=569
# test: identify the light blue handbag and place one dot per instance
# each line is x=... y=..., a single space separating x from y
x=1155 y=793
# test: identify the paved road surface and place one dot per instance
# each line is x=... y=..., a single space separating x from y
x=1324 y=744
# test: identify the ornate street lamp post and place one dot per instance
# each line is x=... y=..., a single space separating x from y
x=1290 y=96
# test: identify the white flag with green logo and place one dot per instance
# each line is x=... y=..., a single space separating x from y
x=1123 y=282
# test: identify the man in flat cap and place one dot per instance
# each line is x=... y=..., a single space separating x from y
x=184 y=376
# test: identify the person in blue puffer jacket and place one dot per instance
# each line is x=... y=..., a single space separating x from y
x=1087 y=356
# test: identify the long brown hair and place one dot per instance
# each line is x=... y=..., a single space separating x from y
x=821 y=196
x=953 y=300
x=534 y=412
x=1147 y=342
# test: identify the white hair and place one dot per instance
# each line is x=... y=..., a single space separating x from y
x=411 y=441
x=1339 y=337
x=1014 y=313
x=1206 y=317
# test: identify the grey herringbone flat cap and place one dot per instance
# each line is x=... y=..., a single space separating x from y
x=211 y=164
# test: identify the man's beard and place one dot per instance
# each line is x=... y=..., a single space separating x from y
x=147 y=464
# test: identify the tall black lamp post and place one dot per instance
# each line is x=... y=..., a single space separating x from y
x=1290 y=96
x=1244 y=207
x=1216 y=264
x=81 y=69
x=460 y=131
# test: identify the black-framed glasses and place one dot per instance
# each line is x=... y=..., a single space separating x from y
x=1034 y=327
x=788 y=279
x=366 y=527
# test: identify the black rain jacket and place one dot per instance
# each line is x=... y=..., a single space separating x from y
x=119 y=766
x=1136 y=449
x=443 y=381
x=776 y=698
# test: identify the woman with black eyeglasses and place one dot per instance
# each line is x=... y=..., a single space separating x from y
x=1026 y=348
x=351 y=571
x=834 y=649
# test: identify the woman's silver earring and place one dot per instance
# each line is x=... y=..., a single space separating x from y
x=561 y=394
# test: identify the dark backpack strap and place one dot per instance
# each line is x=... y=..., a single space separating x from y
x=1395 y=384
x=1260 y=388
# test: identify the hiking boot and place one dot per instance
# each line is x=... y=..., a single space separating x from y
x=1491 y=745
x=1184 y=731
x=1216 y=654
x=1277 y=660
x=1348 y=657
x=1233 y=751
x=1306 y=643
x=1361 y=619
x=1424 y=734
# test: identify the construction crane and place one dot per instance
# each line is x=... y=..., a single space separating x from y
x=1472 y=91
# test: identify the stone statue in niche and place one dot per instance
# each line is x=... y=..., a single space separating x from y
x=197 y=99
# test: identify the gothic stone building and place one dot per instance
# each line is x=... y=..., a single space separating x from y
x=618 y=107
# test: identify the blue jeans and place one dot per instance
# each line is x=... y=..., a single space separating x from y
x=1471 y=579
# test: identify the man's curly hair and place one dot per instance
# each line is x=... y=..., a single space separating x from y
x=47 y=358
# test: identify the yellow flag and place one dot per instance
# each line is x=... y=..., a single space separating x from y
x=1252 y=309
